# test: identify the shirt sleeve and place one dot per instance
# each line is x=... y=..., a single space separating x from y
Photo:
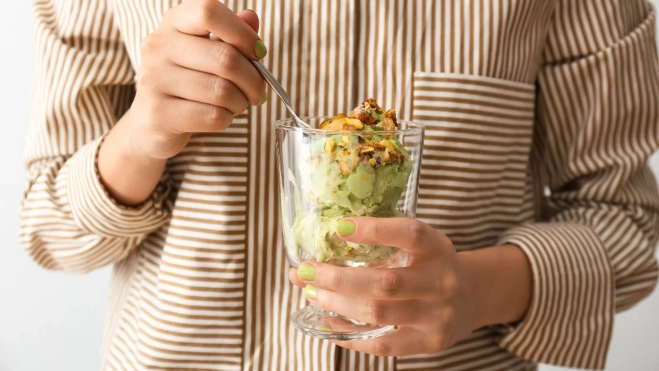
x=83 y=84
x=596 y=128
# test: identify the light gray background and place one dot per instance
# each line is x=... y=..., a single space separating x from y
x=53 y=321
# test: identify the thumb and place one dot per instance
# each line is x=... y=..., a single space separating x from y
x=250 y=17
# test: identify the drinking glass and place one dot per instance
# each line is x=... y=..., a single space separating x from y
x=316 y=194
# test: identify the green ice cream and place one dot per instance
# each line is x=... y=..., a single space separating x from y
x=351 y=173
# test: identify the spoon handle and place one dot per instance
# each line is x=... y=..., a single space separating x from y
x=276 y=86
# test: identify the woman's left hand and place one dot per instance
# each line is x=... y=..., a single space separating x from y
x=427 y=300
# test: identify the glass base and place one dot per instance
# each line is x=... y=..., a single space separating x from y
x=326 y=325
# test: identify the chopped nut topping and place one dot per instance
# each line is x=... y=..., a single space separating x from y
x=362 y=115
x=354 y=160
x=371 y=102
x=347 y=127
x=366 y=149
x=354 y=122
x=389 y=124
x=333 y=123
x=390 y=146
x=391 y=114
x=379 y=146
x=329 y=145
x=345 y=168
x=384 y=156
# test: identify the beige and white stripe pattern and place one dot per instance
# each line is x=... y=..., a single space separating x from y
x=541 y=115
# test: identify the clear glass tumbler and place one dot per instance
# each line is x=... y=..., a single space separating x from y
x=323 y=181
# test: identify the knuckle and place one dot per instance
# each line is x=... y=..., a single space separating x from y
x=380 y=348
x=416 y=231
x=387 y=284
x=206 y=9
x=435 y=344
x=374 y=312
x=448 y=286
x=146 y=78
x=336 y=280
x=447 y=316
x=372 y=229
x=217 y=119
x=149 y=45
x=227 y=57
x=220 y=90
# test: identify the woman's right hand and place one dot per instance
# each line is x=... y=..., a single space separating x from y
x=190 y=83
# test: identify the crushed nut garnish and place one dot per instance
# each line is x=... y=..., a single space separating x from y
x=384 y=156
x=345 y=168
x=366 y=149
x=363 y=116
x=390 y=146
x=329 y=145
x=389 y=124
x=347 y=127
x=371 y=102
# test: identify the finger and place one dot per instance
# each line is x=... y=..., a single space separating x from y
x=203 y=88
x=400 y=342
x=408 y=234
x=185 y=116
x=292 y=275
x=372 y=283
x=251 y=18
x=377 y=312
x=217 y=58
x=203 y=17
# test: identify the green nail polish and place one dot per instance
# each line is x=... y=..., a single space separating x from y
x=345 y=228
x=306 y=272
x=260 y=50
x=325 y=327
x=263 y=99
x=310 y=292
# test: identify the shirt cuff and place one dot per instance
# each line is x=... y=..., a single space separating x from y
x=96 y=211
x=570 y=318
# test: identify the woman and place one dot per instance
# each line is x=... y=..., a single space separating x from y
x=150 y=147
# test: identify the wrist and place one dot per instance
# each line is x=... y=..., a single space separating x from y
x=134 y=145
x=497 y=283
x=128 y=174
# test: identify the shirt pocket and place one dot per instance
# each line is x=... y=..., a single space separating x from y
x=473 y=183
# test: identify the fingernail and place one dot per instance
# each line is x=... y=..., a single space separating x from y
x=263 y=99
x=260 y=50
x=310 y=292
x=306 y=272
x=325 y=327
x=345 y=228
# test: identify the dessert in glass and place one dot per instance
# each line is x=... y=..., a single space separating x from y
x=363 y=164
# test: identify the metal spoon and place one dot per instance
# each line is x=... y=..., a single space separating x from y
x=276 y=86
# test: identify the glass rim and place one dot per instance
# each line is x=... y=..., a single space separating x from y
x=283 y=124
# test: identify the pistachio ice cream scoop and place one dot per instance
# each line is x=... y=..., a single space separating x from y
x=358 y=169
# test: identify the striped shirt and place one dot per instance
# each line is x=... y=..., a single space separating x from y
x=540 y=114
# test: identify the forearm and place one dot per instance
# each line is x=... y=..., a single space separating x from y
x=129 y=175
x=498 y=283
